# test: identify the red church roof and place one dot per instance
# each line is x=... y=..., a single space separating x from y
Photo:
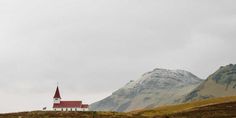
x=84 y=106
x=57 y=93
x=68 y=104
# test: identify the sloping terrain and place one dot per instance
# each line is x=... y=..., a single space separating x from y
x=224 y=107
x=207 y=107
x=221 y=83
x=65 y=114
x=158 y=87
x=223 y=110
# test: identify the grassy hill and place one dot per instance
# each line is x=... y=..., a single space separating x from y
x=172 y=110
x=215 y=107
x=64 y=114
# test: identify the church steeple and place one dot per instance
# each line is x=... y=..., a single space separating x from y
x=57 y=93
x=57 y=96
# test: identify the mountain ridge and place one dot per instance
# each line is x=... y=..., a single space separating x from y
x=157 y=87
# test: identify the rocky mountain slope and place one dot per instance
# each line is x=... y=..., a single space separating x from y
x=221 y=83
x=158 y=87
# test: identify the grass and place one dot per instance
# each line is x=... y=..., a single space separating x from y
x=156 y=112
x=171 y=109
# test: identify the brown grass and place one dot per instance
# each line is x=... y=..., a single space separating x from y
x=162 y=111
x=171 y=109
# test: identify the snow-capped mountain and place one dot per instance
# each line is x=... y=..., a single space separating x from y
x=158 y=87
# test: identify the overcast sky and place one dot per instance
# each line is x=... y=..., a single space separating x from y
x=94 y=47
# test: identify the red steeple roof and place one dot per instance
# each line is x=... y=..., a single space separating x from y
x=57 y=93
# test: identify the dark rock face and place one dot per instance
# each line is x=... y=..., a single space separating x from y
x=191 y=95
x=225 y=76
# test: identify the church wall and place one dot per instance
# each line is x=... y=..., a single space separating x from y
x=70 y=109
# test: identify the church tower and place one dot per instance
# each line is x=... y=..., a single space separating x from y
x=57 y=97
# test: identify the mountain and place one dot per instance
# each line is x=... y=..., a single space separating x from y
x=158 y=87
x=221 y=83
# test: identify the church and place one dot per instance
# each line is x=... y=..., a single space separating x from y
x=59 y=105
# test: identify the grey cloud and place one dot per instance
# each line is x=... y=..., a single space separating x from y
x=94 y=47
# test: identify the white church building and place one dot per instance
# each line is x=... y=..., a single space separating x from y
x=60 y=105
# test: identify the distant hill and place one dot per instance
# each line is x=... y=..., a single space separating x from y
x=221 y=83
x=166 y=87
x=158 y=87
